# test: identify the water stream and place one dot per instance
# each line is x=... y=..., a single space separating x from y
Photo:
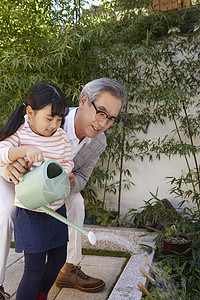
x=122 y=243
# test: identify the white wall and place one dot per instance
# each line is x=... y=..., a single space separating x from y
x=148 y=176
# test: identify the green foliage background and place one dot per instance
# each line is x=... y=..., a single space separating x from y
x=69 y=46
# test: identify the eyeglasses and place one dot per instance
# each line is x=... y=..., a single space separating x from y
x=102 y=115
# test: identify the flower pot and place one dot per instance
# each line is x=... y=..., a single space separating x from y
x=179 y=247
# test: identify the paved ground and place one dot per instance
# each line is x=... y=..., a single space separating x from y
x=106 y=268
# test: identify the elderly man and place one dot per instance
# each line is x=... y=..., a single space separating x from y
x=99 y=105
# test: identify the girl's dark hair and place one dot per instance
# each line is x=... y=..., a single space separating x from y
x=41 y=94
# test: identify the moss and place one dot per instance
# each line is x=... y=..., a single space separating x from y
x=105 y=253
x=12 y=245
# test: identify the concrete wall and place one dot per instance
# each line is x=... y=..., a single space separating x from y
x=150 y=176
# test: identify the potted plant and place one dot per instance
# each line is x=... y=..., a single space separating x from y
x=174 y=241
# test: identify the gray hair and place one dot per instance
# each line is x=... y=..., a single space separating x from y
x=96 y=86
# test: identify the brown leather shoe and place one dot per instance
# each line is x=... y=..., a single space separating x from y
x=71 y=276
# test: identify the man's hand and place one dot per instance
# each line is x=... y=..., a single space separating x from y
x=71 y=180
x=16 y=170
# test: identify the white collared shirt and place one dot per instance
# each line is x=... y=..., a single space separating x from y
x=70 y=130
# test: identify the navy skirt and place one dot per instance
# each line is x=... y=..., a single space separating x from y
x=37 y=231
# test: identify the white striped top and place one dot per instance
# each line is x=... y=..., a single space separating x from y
x=56 y=147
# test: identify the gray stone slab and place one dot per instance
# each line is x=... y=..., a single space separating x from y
x=127 y=285
x=13 y=276
x=69 y=294
x=102 y=261
x=13 y=257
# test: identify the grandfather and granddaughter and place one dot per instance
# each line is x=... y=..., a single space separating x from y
x=39 y=135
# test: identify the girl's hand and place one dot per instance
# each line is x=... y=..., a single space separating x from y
x=33 y=154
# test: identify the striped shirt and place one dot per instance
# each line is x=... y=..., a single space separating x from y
x=56 y=147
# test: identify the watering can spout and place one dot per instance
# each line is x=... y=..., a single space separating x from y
x=91 y=237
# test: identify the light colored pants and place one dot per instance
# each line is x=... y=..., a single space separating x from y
x=6 y=222
x=75 y=213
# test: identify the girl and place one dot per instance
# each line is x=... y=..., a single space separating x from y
x=43 y=238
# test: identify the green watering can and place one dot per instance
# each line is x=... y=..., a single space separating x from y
x=43 y=185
